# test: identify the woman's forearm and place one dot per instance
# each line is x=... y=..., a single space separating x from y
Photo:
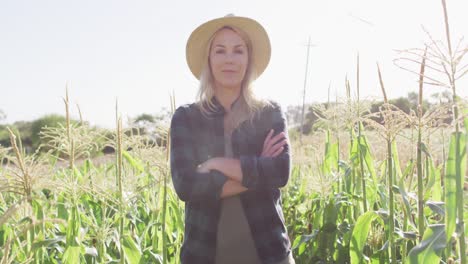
x=229 y=167
x=231 y=188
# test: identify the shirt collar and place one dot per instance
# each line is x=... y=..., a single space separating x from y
x=218 y=108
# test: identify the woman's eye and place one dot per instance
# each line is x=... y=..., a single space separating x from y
x=220 y=51
x=239 y=51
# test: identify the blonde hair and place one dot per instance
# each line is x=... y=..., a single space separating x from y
x=247 y=105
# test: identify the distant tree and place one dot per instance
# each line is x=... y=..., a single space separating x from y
x=145 y=118
x=2 y=115
x=442 y=97
x=4 y=137
x=402 y=103
x=147 y=124
x=22 y=129
x=143 y=123
x=293 y=115
x=311 y=118
x=413 y=98
x=52 y=120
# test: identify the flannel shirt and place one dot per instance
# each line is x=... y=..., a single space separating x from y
x=195 y=139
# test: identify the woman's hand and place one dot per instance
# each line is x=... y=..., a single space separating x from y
x=205 y=167
x=273 y=146
x=228 y=166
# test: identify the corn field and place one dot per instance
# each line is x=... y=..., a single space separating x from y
x=61 y=207
x=386 y=187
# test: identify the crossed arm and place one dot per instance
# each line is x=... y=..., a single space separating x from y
x=272 y=147
x=222 y=177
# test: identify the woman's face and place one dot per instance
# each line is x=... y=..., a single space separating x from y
x=228 y=59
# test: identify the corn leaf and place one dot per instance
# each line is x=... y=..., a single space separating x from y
x=433 y=188
x=134 y=163
x=72 y=255
x=451 y=175
x=132 y=250
x=465 y=119
x=431 y=246
x=330 y=162
x=359 y=236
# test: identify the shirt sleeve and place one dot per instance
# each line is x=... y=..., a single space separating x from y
x=268 y=172
x=188 y=183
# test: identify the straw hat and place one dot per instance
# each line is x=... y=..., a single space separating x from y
x=196 y=50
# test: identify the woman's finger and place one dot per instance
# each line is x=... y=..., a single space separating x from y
x=266 y=152
x=275 y=149
x=278 y=145
x=277 y=152
x=267 y=139
x=272 y=140
x=272 y=144
x=267 y=143
x=278 y=137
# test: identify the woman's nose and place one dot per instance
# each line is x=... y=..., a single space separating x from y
x=230 y=56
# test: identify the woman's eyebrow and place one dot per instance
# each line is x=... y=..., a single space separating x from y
x=236 y=46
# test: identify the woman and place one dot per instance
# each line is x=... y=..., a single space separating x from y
x=230 y=151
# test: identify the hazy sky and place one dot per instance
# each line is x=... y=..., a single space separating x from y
x=134 y=51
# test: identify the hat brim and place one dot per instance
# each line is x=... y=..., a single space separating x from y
x=196 y=49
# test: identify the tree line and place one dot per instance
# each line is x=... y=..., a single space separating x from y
x=30 y=137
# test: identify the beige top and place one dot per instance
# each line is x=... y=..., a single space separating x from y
x=234 y=239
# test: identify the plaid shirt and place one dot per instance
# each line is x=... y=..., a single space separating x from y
x=195 y=139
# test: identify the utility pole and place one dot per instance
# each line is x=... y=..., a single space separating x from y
x=304 y=93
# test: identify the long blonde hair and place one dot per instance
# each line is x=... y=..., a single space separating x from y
x=247 y=105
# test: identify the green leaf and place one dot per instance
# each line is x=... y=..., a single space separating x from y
x=132 y=250
x=433 y=190
x=327 y=236
x=465 y=119
x=73 y=228
x=77 y=174
x=330 y=162
x=396 y=162
x=134 y=163
x=47 y=242
x=408 y=171
x=456 y=166
x=62 y=211
x=359 y=236
x=303 y=239
x=405 y=198
x=431 y=246
x=87 y=167
x=371 y=187
x=424 y=149
x=72 y=255
x=409 y=235
x=38 y=210
x=368 y=158
x=436 y=207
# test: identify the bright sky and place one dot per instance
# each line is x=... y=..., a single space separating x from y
x=134 y=51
